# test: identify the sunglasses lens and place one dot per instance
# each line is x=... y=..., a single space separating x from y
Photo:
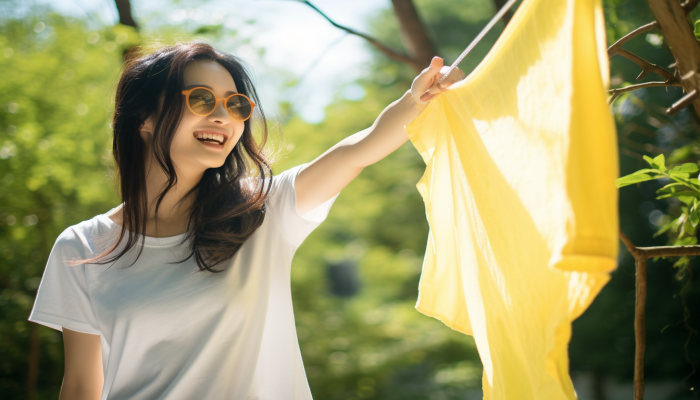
x=239 y=107
x=202 y=101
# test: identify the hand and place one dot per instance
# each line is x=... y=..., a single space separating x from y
x=425 y=87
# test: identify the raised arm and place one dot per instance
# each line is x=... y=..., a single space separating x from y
x=330 y=172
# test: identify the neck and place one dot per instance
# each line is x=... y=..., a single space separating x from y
x=172 y=216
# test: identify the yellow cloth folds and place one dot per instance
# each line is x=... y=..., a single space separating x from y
x=519 y=189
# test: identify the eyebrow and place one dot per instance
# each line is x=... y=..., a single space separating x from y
x=188 y=87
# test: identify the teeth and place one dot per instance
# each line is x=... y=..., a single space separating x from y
x=211 y=136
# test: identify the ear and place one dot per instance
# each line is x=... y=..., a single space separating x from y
x=146 y=130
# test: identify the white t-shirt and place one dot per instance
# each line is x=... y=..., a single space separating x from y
x=169 y=331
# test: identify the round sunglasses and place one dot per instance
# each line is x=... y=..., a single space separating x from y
x=202 y=101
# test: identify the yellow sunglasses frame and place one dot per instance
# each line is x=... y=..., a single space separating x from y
x=224 y=99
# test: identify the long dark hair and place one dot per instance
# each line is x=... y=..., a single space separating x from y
x=229 y=204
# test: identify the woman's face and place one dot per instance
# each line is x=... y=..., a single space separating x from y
x=191 y=156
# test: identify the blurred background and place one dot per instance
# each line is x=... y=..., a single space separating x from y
x=355 y=279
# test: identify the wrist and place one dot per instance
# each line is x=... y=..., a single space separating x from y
x=415 y=103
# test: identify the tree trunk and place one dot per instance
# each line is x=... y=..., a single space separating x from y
x=414 y=35
x=33 y=373
x=124 y=9
x=508 y=15
x=680 y=38
x=125 y=18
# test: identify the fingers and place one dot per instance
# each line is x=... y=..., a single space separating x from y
x=433 y=88
x=427 y=77
x=455 y=76
x=427 y=82
x=435 y=65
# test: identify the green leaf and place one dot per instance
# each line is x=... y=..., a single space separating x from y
x=672 y=224
x=657 y=162
x=209 y=30
x=689 y=241
x=670 y=188
x=680 y=178
x=632 y=179
x=694 y=219
x=660 y=162
x=681 y=153
x=671 y=185
x=685 y=196
x=646 y=170
x=688 y=197
x=687 y=167
x=681 y=262
x=697 y=29
x=680 y=175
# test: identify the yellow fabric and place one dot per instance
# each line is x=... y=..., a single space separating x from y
x=521 y=159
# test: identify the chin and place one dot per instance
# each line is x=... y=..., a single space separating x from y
x=215 y=165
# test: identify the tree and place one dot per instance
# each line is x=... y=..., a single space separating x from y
x=57 y=76
x=673 y=23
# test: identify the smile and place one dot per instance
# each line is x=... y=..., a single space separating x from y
x=211 y=137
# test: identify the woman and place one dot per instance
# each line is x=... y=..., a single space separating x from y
x=143 y=310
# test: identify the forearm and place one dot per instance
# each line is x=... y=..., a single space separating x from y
x=78 y=393
x=385 y=135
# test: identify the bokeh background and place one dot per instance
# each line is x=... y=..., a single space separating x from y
x=355 y=279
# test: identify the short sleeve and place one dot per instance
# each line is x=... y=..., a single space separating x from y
x=282 y=204
x=62 y=298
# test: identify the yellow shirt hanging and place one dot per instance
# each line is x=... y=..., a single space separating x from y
x=519 y=191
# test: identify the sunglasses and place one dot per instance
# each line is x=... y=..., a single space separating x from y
x=202 y=101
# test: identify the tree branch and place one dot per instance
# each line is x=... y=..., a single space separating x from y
x=640 y=341
x=679 y=37
x=613 y=97
x=612 y=50
x=124 y=9
x=641 y=254
x=629 y=88
x=644 y=147
x=683 y=102
x=646 y=66
x=631 y=153
x=416 y=39
x=382 y=48
x=508 y=15
x=689 y=5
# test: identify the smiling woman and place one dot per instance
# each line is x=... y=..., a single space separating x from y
x=180 y=163
x=197 y=192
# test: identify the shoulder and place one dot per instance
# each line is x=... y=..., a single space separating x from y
x=80 y=239
x=283 y=183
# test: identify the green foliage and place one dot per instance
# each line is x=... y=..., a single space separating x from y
x=375 y=344
x=57 y=82
x=686 y=189
x=55 y=170
x=659 y=210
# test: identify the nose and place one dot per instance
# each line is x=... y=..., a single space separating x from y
x=220 y=114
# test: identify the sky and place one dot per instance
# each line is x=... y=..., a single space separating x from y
x=298 y=42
